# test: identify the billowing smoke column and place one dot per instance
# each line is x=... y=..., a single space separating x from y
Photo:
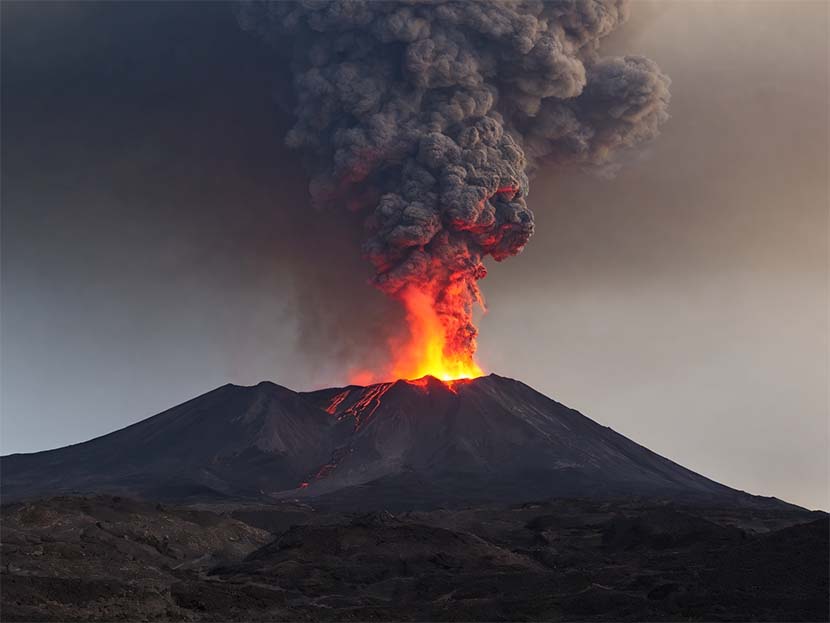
x=429 y=115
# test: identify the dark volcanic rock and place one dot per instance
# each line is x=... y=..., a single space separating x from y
x=239 y=442
x=108 y=557
x=402 y=445
x=104 y=559
x=664 y=528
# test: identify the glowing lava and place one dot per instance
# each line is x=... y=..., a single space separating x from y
x=429 y=351
x=438 y=345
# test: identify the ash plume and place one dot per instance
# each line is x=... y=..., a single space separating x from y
x=431 y=115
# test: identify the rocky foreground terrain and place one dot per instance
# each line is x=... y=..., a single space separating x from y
x=111 y=558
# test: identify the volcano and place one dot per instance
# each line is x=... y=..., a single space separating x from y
x=399 y=445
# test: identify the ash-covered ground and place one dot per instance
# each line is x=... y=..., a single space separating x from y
x=105 y=558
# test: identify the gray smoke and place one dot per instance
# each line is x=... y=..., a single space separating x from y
x=429 y=115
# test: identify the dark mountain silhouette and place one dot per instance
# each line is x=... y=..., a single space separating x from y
x=233 y=441
x=515 y=507
x=406 y=444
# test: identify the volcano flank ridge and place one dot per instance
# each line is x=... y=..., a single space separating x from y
x=399 y=445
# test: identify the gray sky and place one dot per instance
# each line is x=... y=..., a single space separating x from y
x=150 y=220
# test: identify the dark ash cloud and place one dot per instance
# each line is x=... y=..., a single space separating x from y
x=430 y=115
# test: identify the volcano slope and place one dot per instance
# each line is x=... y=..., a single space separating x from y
x=404 y=445
x=488 y=502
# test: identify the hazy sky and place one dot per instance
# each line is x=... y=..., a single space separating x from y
x=157 y=240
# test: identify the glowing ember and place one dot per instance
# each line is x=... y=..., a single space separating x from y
x=450 y=385
x=335 y=402
x=365 y=407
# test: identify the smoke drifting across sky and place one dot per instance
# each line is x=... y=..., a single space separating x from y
x=155 y=239
x=429 y=115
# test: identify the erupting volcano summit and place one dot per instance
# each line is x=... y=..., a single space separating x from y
x=404 y=444
x=428 y=117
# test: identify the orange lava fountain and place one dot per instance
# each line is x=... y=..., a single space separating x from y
x=440 y=342
x=428 y=351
